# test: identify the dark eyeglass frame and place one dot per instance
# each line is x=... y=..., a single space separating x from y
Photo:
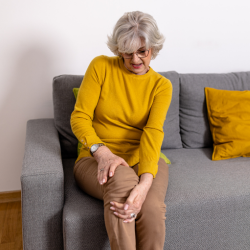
x=131 y=55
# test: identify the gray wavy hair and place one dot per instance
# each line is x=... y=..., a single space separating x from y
x=128 y=31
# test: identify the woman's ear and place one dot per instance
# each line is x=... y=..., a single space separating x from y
x=152 y=53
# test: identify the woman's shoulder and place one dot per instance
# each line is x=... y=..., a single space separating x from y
x=162 y=80
x=100 y=66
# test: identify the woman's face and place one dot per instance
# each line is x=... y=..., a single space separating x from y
x=138 y=66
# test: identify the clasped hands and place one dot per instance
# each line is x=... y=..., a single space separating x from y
x=107 y=163
x=133 y=204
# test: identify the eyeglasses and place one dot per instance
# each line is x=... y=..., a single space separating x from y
x=140 y=54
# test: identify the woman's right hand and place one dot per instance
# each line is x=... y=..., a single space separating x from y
x=108 y=162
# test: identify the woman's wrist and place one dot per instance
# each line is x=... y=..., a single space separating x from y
x=146 y=180
x=100 y=151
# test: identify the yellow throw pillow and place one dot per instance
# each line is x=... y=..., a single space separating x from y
x=75 y=91
x=229 y=120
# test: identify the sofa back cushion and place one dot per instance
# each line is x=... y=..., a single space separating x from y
x=64 y=102
x=171 y=127
x=194 y=125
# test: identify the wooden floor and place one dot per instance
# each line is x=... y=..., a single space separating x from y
x=10 y=221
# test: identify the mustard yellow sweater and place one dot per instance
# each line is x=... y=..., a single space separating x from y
x=124 y=111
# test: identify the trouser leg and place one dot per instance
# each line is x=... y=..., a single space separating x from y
x=150 y=221
x=117 y=188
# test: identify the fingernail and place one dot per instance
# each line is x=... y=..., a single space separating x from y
x=126 y=207
x=112 y=208
x=103 y=180
x=110 y=174
x=115 y=213
x=125 y=221
x=100 y=182
x=112 y=203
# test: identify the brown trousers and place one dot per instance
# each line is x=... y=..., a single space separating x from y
x=147 y=231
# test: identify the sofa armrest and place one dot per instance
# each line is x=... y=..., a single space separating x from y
x=42 y=184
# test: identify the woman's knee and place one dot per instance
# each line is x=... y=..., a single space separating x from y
x=124 y=175
x=120 y=185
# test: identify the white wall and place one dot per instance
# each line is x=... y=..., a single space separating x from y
x=43 y=39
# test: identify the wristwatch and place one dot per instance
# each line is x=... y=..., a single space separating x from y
x=94 y=147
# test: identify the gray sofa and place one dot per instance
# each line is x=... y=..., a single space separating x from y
x=208 y=202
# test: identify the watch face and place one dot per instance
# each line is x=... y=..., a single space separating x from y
x=94 y=148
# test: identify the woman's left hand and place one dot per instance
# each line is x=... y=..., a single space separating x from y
x=133 y=203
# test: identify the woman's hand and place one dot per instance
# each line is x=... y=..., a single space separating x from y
x=108 y=162
x=135 y=200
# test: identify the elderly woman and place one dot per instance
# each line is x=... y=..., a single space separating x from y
x=118 y=117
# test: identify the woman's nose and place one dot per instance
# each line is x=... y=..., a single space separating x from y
x=135 y=59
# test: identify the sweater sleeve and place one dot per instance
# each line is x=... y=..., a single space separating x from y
x=87 y=99
x=152 y=135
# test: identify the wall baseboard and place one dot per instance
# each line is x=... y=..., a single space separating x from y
x=10 y=196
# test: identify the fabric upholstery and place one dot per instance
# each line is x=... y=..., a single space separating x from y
x=64 y=101
x=194 y=125
x=83 y=216
x=208 y=205
x=171 y=128
x=42 y=184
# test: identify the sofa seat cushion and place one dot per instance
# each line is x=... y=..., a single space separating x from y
x=208 y=202
x=83 y=217
x=208 y=205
